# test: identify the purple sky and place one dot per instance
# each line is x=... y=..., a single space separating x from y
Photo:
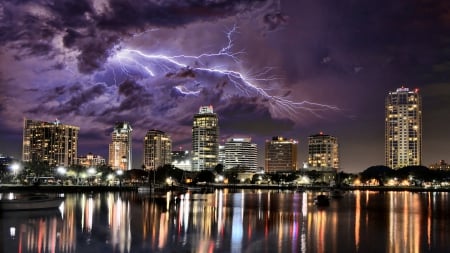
x=290 y=68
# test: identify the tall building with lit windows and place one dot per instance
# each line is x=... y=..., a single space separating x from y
x=120 y=147
x=240 y=152
x=157 y=149
x=323 y=152
x=205 y=139
x=50 y=142
x=281 y=155
x=403 y=128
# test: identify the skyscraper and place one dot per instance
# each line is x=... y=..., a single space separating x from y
x=403 y=128
x=241 y=152
x=205 y=139
x=323 y=151
x=53 y=142
x=120 y=147
x=157 y=149
x=281 y=155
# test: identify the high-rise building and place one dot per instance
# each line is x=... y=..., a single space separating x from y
x=323 y=151
x=120 y=147
x=205 y=139
x=281 y=155
x=403 y=128
x=54 y=142
x=240 y=152
x=157 y=149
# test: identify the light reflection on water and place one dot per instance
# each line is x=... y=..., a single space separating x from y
x=233 y=221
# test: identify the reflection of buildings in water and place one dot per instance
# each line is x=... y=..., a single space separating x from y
x=119 y=225
x=67 y=239
x=31 y=231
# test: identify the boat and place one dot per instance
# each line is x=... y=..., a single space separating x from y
x=30 y=202
x=322 y=200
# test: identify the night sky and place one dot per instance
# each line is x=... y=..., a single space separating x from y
x=269 y=68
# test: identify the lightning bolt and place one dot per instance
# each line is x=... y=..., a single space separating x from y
x=153 y=65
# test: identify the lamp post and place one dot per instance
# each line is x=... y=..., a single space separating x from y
x=120 y=173
x=91 y=172
x=61 y=171
x=15 y=167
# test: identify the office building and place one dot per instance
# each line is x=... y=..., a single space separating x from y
x=323 y=152
x=403 y=128
x=120 y=148
x=241 y=153
x=53 y=142
x=281 y=155
x=205 y=139
x=157 y=149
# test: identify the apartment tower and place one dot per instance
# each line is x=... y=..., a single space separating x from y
x=281 y=155
x=120 y=147
x=323 y=151
x=157 y=149
x=205 y=139
x=403 y=128
x=53 y=142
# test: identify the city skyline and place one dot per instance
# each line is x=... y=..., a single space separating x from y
x=269 y=68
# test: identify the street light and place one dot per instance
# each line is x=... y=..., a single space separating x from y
x=120 y=173
x=15 y=167
x=91 y=172
x=62 y=172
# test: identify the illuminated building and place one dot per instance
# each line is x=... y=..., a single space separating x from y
x=240 y=152
x=205 y=139
x=281 y=155
x=157 y=149
x=441 y=165
x=403 y=128
x=323 y=151
x=120 y=147
x=54 y=142
x=91 y=160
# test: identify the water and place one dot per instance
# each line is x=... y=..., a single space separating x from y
x=239 y=221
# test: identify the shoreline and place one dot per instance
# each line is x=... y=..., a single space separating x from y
x=134 y=188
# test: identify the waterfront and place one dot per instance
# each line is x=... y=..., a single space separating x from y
x=226 y=220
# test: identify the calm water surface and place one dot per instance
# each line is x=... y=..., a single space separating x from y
x=233 y=221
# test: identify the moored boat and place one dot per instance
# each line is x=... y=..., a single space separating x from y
x=322 y=200
x=30 y=202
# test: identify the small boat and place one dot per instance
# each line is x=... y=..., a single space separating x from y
x=30 y=202
x=322 y=200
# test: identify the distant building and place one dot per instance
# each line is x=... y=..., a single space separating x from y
x=281 y=155
x=240 y=152
x=157 y=149
x=182 y=159
x=120 y=147
x=53 y=142
x=323 y=151
x=91 y=160
x=205 y=139
x=221 y=159
x=403 y=128
x=441 y=165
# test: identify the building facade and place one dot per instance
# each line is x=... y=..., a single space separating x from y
x=403 y=128
x=205 y=139
x=91 y=160
x=281 y=155
x=323 y=152
x=157 y=149
x=53 y=142
x=120 y=148
x=240 y=152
